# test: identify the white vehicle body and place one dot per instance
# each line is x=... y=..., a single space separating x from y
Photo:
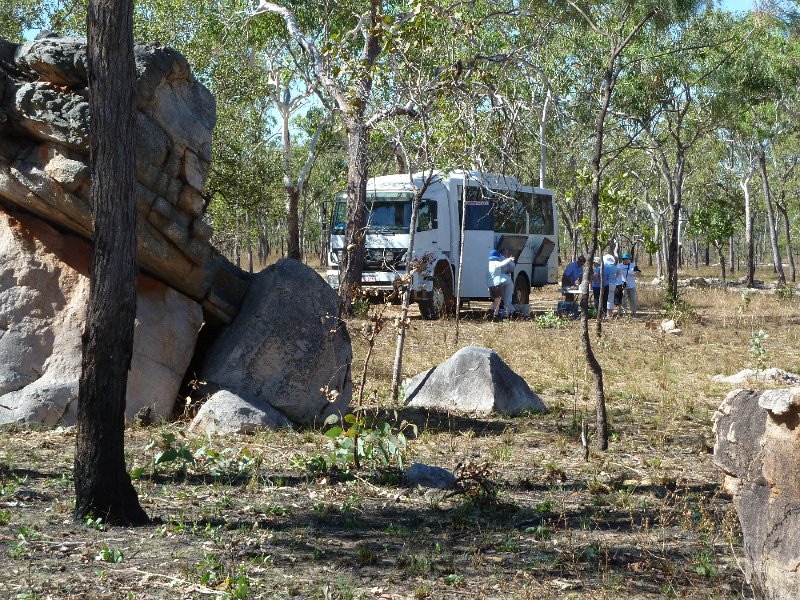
x=500 y=213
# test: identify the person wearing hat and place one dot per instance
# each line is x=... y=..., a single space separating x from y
x=628 y=273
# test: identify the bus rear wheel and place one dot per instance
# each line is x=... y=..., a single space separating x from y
x=522 y=290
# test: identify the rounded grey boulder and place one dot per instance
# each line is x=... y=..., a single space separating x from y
x=474 y=380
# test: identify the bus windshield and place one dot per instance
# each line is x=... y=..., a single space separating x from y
x=387 y=212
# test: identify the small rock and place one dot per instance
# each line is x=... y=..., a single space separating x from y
x=430 y=477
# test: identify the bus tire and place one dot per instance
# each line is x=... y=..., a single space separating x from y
x=522 y=290
x=434 y=306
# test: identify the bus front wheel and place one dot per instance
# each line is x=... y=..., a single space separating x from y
x=434 y=305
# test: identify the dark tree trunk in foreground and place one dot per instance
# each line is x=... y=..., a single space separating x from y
x=103 y=487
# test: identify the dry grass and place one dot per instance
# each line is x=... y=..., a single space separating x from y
x=646 y=519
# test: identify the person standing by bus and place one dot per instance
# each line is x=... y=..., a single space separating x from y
x=501 y=284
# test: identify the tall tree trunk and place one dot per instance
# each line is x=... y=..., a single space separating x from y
x=586 y=343
x=543 y=140
x=731 y=258
x=103 y=487
x=771 y=228
x=353 y=256
x=744 y=183
x=788 y=231
x=249 y=241
x=292 y=223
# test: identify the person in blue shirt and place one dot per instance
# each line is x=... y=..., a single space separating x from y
x=573 y=275
x=500 y=282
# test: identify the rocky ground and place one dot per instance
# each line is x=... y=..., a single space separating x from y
x=262 y=516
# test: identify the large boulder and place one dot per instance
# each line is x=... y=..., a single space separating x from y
x=758 y=449
x=285 y=346
x=44 y=159
x=44 y=291
x=474 y=380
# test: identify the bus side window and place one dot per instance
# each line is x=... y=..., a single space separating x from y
x=540 y=212
x=426 y=220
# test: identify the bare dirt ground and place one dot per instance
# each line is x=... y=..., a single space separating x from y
x=257 y=516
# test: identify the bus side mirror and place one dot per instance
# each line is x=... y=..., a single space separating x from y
x=323 y=217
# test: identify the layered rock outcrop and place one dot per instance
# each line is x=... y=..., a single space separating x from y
x=45 y=233
x=758 y=449
x=44 y=159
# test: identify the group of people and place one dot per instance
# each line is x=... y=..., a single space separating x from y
x=613 y=290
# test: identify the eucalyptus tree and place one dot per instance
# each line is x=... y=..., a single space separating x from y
x=675 y=100
x=345 y=62
x=609 y=30
x=786 y=166
x=763 y=78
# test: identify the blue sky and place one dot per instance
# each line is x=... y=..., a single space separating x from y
x=737 y=5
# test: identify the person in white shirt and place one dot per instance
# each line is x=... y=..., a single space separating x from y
x=629 y=271
x=500 y=282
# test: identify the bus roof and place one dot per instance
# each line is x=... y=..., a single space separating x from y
x=402 y=182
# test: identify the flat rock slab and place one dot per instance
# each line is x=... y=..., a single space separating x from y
x=474 y=380
x=772 y=375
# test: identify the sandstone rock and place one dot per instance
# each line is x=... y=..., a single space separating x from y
x=474 y=380
x=758 y=449
x=430 y=477
x=44 y=290
x=44 y=158
x=284 y=346
x=225 y=412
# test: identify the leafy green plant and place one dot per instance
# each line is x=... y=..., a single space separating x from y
x=550 y=320
x=5 y=517
x=744 y=301
x=758 y=351
x=360 y=306
x=95 y=523
x=680 y=311
x=352 y=443
x=704 y=564
x=111 y=555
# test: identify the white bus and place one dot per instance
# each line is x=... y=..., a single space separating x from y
x=500 y=213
